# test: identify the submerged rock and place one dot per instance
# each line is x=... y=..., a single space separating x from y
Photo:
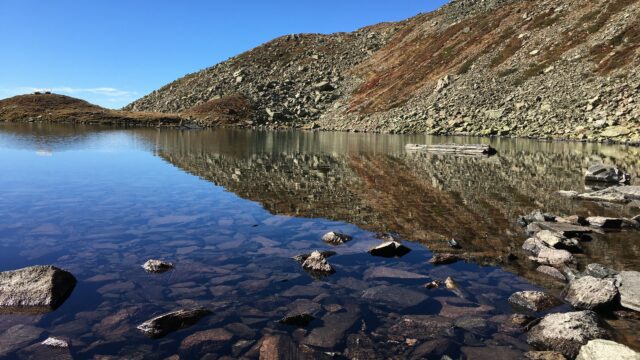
x=394 y=296
x=335 y=238
x=161 y=325
x=157 y=266
x=606 y=174
x=600 y=349
x=278 y=347
x=390 y=249
x=316 y=262
x=207 y=341
x=628 y=283
x=533 y=300
x=441 y=259
x=299 y=320
x=566 y=332
x=589 y=293
x=37 y=288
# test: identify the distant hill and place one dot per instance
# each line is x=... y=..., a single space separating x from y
x=65 y=109
x=539 y=68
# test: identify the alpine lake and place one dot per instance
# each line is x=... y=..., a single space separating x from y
x=231 y=208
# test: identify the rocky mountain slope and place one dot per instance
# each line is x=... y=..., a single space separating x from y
x=543 y=68
x=56 y=108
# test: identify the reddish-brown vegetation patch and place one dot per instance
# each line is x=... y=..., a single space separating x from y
x=228 y=110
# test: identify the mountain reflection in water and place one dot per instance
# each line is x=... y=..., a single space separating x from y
x=99 y=202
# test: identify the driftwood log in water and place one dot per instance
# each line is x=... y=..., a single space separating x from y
x=461 y=149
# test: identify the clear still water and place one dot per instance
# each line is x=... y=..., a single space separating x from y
x=230 y=208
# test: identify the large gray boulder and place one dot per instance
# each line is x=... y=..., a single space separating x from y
x=606 y=174
x=566 y=332
x=628 y=283
x=335 y=238
x=316 y=262
x=600 y=349
x=589 y=293
x=37 y=288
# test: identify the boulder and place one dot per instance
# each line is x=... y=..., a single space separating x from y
x=599 y=271
x=552 y=272
x=390 y=249
x=628 y=283
x=566 y=332
x=533 y=300
x=335 y=238
x=441 y=259
x=589 y=293
x=55 y=343
x=555 y=257
x=606 y=174
x=564 y=229
x=600 y=349
x=316 y=263
x=550 y=238
x=35 y=288
x=605 y=222
x=164 y=324
x=157 y=266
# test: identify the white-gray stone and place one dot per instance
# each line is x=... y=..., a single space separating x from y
x=43 y=287
x=589 y=293
x=628 y=283
x=600 y=349
x=566 y=332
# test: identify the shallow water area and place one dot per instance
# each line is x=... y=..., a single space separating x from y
x=230 y=208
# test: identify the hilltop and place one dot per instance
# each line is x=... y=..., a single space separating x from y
x=65 y=109
x=542 y=69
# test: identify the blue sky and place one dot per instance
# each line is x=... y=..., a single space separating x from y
x=111 y=52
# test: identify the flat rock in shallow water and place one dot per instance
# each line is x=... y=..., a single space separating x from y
x=564 y=229
x=628 y=283
x=17 y=337
x=334 y=327
x=442 y=259
x=394 y=296
x=390 y=249
x=589 y=293
x=606 y=350
x=533 y=300
x=207 y=341
x=552 y=272
x=566 y=332
x=157 y=266
x=161 y=325
x=387 y=272
x=335 y=238
x=299 y=320
x=423 y=327
x=35 y=288
x=278 y=347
